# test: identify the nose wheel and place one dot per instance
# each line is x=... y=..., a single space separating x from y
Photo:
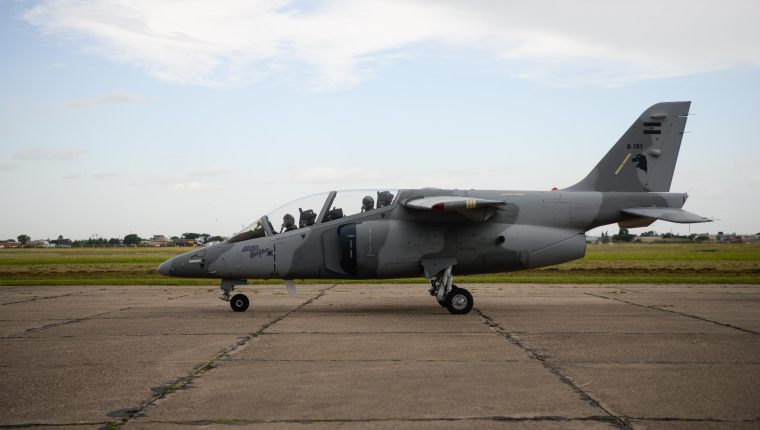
x=457 y=301
x=239 y=302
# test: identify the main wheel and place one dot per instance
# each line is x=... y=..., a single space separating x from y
x=239 y=302
x=459 y=301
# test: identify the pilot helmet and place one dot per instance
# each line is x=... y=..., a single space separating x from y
x=368 y=203
x=288 y=220
x=384 y=198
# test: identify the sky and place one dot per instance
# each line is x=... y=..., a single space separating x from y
x=147 y=117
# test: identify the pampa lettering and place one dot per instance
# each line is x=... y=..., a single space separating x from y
x=256 y=250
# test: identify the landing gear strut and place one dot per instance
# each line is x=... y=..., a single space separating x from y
x=457 y=300
x=238 y=302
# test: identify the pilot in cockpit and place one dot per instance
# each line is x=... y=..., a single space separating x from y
x=368 y=203
x=288 y=223
x=384 y=198
x=306 y=218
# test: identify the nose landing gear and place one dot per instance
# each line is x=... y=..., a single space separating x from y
x=457 y=301
x=238 y=302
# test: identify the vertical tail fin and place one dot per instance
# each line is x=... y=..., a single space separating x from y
x=645 y=156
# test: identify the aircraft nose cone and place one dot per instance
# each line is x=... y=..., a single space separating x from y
x=165 y=268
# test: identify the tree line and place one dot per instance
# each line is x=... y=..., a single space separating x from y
x=624 y=235
x=128 y=240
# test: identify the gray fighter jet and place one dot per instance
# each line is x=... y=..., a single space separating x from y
x=439 y=233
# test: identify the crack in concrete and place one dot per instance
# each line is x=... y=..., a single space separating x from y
x=650 y=333
x=121 y=336
x=625 y=363
x=72 y=321
x=696 y=317
x=695 y=420
x=553 y=368
x=36 y=299
x=125 y=415
x=341 y=333
x=185 y=295
x=48 y=425
x=369 y=360
x=498 y=418
x=62 y=323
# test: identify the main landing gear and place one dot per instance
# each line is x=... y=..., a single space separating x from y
x=238 y=302
x=457 y=300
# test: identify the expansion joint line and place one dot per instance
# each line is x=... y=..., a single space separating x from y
x=183 y=382
x=657 y=308
x=337 y=421
x=553 y=368
x=67 y=322
x=37 y=299
x=54 y=425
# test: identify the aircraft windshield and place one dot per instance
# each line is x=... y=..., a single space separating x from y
x=305 y=212
x=297 y=214
x=253 y=231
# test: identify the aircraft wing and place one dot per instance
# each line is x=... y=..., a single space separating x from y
x=449 y=203
x=667 y=214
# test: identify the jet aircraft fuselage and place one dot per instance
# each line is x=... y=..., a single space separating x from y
x=527 y=229
x=439 y=233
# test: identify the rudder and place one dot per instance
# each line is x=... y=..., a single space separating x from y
x=644 y=158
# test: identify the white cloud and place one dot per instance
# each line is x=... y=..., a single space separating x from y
x=71 y=176
x=232 y=42
x=55 y=154
x=192 y=186
x=116 y=97
x=208 y=171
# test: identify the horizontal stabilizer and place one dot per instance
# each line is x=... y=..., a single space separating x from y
x=667 y=214
x=449 y=203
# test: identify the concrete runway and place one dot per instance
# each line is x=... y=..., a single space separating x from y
x=381 y=357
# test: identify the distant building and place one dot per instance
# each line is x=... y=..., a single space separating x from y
x=10 y=244
x=158 y=240
x=648 y=239
x=38 y=244
x=725 y=238
x=183 y=242
x=751 y=238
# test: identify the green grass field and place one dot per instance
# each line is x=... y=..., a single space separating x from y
x=628 y=263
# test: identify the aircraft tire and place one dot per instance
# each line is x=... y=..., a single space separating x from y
x=239 y=302
x=459 y=301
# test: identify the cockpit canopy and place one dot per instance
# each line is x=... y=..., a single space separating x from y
x=317 y=208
